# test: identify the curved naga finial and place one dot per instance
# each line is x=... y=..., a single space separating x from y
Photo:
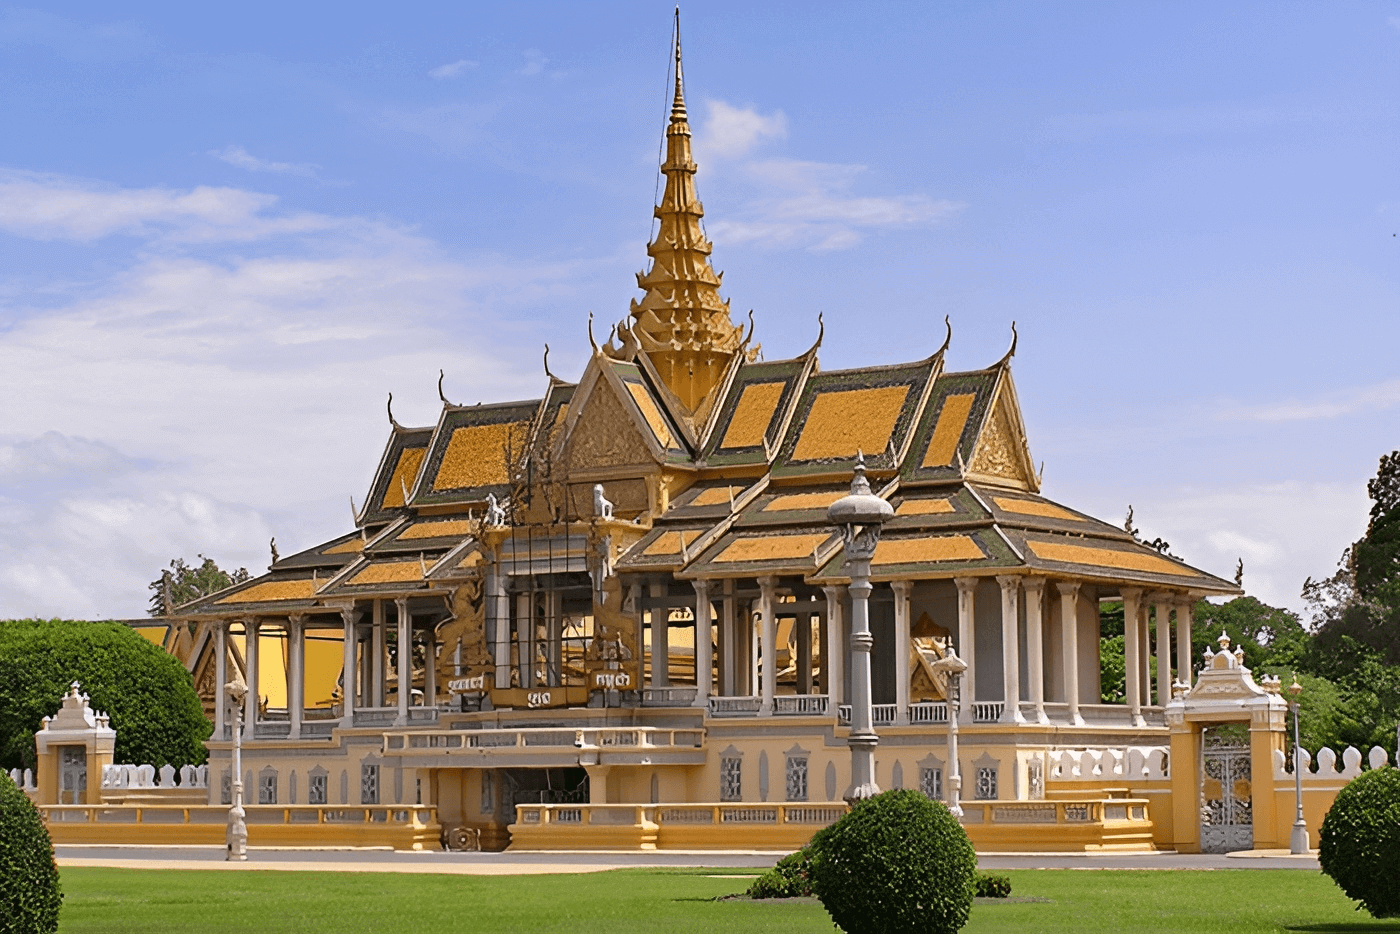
x=948 y=323
x=1011 y=351
x=591 y=341
x=390 y=407
x=821 y=333
x=546 y=364
x=748 y=337
x=440 y=393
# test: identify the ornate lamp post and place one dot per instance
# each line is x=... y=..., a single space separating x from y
x=860 y=516
x=237 y=834
x=1299 y=841
x=955 y=667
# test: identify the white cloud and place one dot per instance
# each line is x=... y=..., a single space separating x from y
x=1334 y=405
x=452 y=69
x=810 y=204
x=733 y=131
x=534 y=63
x=199 y=399
x=237 y=155
x=54 y=207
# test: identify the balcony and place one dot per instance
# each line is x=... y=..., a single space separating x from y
x=800 y=705
x=668 y=697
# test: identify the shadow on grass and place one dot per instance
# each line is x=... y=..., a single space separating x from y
x=1369 y=926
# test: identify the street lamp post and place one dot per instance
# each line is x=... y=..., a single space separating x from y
x=237 y=834
x=954 y=667
x=860 y=516
x=1299 y=841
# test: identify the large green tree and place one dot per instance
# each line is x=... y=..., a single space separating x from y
x=185 y=582
x=148 y=693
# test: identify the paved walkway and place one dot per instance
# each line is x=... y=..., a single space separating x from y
x=508 y=864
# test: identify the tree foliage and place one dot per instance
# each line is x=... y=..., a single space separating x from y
x=29 y=892
x=190 y=582
x=897 y=863
x=148 y=693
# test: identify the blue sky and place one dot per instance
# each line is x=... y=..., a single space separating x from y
x=225 y=236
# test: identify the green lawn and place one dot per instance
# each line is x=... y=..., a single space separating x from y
x=674 y=902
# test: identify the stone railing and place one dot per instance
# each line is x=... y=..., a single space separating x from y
x=987 y=711
x=592 y=737
x=24 y=781
x=1327 y=769
x=1060 y=811
x=928 y=712
x=801 y=705
x=1134 y=763
x=690 y=815
x=668 y=697
x=144 y=776
x=735 y=706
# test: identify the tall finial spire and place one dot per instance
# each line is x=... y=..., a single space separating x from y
x=682 y=323
x=678 y=114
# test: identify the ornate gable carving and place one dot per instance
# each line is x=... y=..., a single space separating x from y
x=606 y=434
x=1000 y=450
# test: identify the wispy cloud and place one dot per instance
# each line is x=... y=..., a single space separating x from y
x=237 y=155
x=453 y=69
x=79 y=42
x=203 y=396
x=1334 y=405
x=733 y=131
x=811 y=204
x=534 y=63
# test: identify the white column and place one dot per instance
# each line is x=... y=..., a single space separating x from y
x=378 y=655
x=1185 y=663
x=1011 y=648
x=347 y=676
x=660 y=640
x=967 y=643
x=728 y=642
x=498 y=613
x=405 y=627
x=768 y=645
x=220 y=677
x=1164 y=648
x=704 y=648
x=1035 y=644
x=1069 y=646
x=1131 y=669
x=250 y=662
x=296 y=661
x=903 y=645
x=834 y=677
x=1145 y=655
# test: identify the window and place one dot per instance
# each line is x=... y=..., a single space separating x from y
x=931 y=783
x=369 y=784
x=316 y=788
x=986 y=788
x=797 y=778
x=267 y=788
x=731 y=786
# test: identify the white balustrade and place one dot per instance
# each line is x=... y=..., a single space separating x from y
x=928 y=712
x=734 y=706
x=809 y=705
x=987 y=711
x=1326 y=770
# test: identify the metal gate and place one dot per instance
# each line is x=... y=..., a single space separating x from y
x=1227 y=812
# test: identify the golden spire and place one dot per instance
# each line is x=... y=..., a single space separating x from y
x=681 y=322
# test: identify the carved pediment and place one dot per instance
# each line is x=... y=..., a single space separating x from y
x=605 y=434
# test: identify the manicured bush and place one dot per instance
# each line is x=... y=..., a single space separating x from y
x=790 y=878
x=992 y=886
x=148 y=693
x=29 y=893
x=1359 y=846
x=898 y=863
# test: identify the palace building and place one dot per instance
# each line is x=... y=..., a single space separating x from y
x=617 y=615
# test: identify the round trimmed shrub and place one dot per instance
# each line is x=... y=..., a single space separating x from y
x=790 y=878
x=29 y=893
x=1359 y=846
x=898 y=863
